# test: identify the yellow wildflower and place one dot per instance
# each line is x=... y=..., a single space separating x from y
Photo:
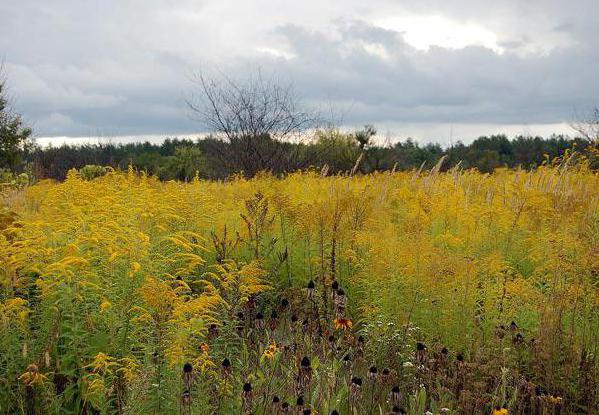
x=32 y=376
x=343 y=323
x=271 y=350
x=105 y=305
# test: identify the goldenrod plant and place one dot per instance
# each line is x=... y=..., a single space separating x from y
x=398 y=292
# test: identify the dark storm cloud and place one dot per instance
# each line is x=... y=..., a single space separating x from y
x=111 y=67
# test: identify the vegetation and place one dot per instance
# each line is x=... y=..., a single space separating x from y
x=15 y=136
x=406 y=292
x=179 y=159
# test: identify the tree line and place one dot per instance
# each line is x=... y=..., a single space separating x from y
x=180 y=159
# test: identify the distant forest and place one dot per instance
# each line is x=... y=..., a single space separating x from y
x=180 y=159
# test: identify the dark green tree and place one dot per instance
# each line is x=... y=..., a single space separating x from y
x=15 y=136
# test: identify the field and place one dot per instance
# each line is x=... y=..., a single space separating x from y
x=449 y=292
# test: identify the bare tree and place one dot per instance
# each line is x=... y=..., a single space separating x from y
x=588 y=126
x=258 y=118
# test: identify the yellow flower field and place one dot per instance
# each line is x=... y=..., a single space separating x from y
x=474 y=292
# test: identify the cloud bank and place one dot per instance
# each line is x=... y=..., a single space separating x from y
x=110 y=68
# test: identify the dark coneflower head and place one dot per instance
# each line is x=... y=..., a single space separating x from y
x=187 y=367
x=445 y=351
x=294 y=318
x=311 y=285
x=356 y=381
x=285 y=405
x=274 y=315
x=360 y=339
x=395 y=389
x=213 y=330
x=307 y=411
x=335 y=285
x=305 y=362
x=518 y=338
x=284 y=303
x=340 y=292
x=179 y=278
x=331 y=338
x=275 y=399
x=334 y=412
x=347 y=358
x=259 y=316
x=513 y=326
x=420 y=346
x=240 y=316
x=373 y=373
x=460 y=357
x=226 y=363
x=386 y=371
x=299 y=401
x=247 y=387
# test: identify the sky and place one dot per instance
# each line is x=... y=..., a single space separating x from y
x=434 y=70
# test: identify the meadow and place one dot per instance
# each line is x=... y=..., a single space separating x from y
x=414 y=292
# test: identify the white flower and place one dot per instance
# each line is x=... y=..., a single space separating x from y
x=408 y=364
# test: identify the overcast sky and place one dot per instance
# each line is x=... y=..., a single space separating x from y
x=430 y=69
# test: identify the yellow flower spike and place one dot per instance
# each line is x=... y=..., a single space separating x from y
x=105 y=305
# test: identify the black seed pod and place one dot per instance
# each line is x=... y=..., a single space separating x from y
x=187 y=368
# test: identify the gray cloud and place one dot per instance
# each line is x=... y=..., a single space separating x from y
x=122 y=68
